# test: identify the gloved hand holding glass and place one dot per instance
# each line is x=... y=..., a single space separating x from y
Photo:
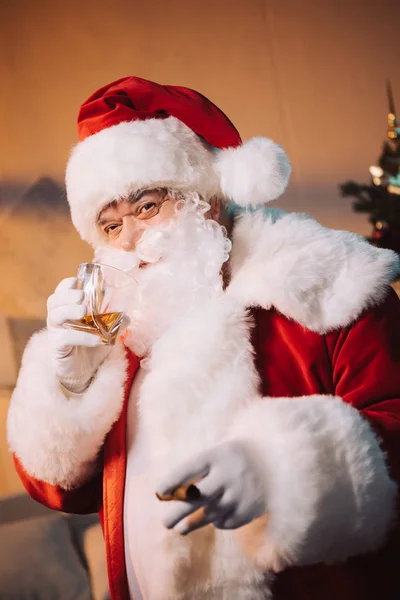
x=85 y=316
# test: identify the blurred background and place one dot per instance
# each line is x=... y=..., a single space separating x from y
x=310 y=75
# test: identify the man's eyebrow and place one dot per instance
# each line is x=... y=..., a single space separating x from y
x=102 y=221
x=136 y=196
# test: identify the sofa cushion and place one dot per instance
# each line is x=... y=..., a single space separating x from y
x=38 y=561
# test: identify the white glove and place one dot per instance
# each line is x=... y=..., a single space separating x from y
x=77 y=354
x=232 y=487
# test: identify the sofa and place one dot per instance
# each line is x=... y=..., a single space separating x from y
x=45 y=555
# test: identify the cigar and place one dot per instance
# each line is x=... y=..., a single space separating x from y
x=187 y=492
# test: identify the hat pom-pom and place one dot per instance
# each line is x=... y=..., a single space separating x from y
x=254 y=173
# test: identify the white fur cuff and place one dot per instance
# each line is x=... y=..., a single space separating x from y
x=57 y=439
x=329 y=492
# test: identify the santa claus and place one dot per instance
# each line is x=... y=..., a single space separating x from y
x=259 y=373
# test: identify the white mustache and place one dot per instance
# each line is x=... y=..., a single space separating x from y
x=150 y=248
x=153 y=245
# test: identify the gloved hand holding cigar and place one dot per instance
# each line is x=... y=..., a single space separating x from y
x=231 y=489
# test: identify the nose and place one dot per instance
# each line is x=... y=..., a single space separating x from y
x=130 y=234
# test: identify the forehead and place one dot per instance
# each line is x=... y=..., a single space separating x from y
x=114 y=209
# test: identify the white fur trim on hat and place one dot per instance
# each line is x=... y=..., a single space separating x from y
x=131 y=156
x=254 y=173
x=135 y=155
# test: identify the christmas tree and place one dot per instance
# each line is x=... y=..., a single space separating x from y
x=381 y=197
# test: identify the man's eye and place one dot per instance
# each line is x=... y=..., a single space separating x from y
x=146 y=207
x=110 y=228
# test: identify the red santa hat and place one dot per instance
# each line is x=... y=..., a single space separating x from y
x=135 y=134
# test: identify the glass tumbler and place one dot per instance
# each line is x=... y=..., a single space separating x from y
x=108 y=293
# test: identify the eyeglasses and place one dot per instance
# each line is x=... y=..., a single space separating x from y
x=147 y=207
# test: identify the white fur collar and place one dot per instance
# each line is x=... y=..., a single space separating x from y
x=319 y=277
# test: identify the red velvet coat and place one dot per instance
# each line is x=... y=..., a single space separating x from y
x=360 y=363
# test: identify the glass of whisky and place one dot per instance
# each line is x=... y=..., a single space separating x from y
x=108 y=293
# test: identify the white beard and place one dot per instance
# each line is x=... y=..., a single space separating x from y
x=185 y=259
